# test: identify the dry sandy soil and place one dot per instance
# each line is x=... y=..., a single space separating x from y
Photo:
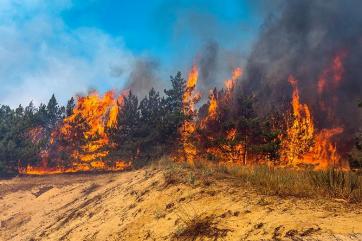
x=144 y=205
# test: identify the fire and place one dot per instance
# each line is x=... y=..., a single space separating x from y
x=223 y=145
x=329 y=81
x=92 y=114
x=83 y=135
x=229 y=87
x=98 y=112
x=188 y=128
x=333 y=74
x=302 y=144
x=212 y=110
x=96 y=166
x=236 y=74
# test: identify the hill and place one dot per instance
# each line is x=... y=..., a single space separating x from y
x=170 y=203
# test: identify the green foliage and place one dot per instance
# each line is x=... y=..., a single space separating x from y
x=64 y=145
x=256 y=135
x=173 y=116
x=124 y=135
x=147 y=130
x=15 y=142
x=25 y=133
x=70 y=107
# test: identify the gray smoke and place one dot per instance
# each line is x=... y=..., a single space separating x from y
x=144 y=76
x=215 y=66
x=301 y=39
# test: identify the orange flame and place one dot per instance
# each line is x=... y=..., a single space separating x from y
x=302 y=145
x=96 y=113
x=96 y=166
x=333 y=73
x=236 y=74
x=212 y=110
x=228 y=150
x=189 y=127
x=329 y=81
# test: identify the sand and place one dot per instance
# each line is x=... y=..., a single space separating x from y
x=142 y=205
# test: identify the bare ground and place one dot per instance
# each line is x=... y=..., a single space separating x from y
x=149 y=205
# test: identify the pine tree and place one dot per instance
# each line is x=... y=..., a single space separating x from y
x=257 y=134
x=54 y=113
x=151 y=143
x=172 y=114
x=70 y=107
x=68 y=147
x=124 y=136
x=16 y=146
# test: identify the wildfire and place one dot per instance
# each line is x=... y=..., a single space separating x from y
x=98 y=113
x=212 y=110
x=84 y=132
x=189 y=127
x=302 y=144
x=226 y=97
x=95 y=166
x=329 y=81
x=224 y=146
x=236 y=74
x=93 y=113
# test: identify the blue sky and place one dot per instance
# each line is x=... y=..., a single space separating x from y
x=70 y=46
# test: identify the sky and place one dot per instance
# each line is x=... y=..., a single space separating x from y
x=69 y=47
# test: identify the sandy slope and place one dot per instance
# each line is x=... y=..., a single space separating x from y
x=142 y=205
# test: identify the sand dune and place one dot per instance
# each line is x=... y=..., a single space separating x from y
x=143 y=205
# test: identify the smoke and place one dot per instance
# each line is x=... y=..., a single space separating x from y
x=208 y=66
x=144 y=76
x=302 y=39
x=216 y=65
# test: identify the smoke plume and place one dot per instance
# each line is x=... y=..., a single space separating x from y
x=320 y=44
x=144 y=76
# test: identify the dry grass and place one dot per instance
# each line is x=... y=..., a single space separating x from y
x=198 y=226
x=341 y=185
x=332 y=183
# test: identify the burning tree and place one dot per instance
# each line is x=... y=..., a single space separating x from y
x=302 y=145
x=188 y=150
x=230 y=131
x=113 y=132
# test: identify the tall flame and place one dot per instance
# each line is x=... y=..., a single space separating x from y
x=236 y=74
x=189 y=127
x=96 y=113
x=228 y=150
x=212 y=110
x=302 y=144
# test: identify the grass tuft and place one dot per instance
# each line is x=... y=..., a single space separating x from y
x=198 y=227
